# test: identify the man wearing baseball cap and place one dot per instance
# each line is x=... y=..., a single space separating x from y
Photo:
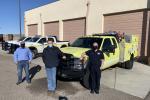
x=22 y=57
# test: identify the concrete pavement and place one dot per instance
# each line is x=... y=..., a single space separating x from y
x=38 y=89
x=134 y=82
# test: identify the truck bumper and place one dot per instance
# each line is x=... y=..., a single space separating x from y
x=70 y=74
x=70 y=68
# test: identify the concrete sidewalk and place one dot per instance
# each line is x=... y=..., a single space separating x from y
x=135 y=82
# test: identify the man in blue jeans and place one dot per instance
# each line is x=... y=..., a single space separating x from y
x=22 y=57
x=51 y=57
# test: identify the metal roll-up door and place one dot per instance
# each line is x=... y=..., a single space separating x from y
x=32 y=30
x=148 y=37
x=51 y=28
x=130 y=23
x=73 y=29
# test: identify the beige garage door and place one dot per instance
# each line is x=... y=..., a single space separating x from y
x=73 y=29
x=32 y=30
x=52 y=28
x=130 y=23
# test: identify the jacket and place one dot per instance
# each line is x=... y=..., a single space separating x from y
x=51 y=56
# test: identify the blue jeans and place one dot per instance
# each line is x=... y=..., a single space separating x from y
x=23 y=65
x=51 y=78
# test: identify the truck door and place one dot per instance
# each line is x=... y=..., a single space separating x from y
x=116 y=54
x=110 y=57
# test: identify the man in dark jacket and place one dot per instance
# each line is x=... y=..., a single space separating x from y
x=51 y=57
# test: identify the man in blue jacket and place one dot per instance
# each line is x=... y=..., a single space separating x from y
x=22 y=57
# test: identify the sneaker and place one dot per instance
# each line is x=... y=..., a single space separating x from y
x=50 y=93
x=18 y=82
x=92 y=92
x=63 y=98
x=97 y=91
x=29 y=82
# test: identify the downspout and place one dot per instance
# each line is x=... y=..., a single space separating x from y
x=41 y=24
x=87 y=15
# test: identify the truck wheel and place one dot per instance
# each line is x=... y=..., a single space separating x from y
x=122 y=65
x=85 y=79
x=9 y=50
x=34 y=53
x=129 y=64
x=148 y=60
x=3 y=45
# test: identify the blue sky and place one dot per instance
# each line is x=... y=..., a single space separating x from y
x=9 y=19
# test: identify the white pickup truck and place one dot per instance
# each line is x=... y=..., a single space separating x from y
x=25 y=39
x=7 y=46
x=37 y=44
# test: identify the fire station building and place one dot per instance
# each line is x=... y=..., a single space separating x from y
x=70 y=19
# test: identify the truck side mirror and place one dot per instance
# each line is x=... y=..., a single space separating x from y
x=45 y=43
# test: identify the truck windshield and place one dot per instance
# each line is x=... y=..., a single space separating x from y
x=27 y=39
x=34 y=39
x=21 y=39
x=86 y=42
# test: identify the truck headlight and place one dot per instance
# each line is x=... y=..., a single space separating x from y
x=78 y=64
x=9 y=44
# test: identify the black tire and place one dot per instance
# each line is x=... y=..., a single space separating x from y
x=148 y=60
x=85 y=78
x=5 y=46
x=10 y=50
x=2 y=45
x=122 y=65
x=34 y=53
x=129 y=64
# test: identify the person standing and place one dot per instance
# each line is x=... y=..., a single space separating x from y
x=96 y=58
x=51 y=57
x=22 y=57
